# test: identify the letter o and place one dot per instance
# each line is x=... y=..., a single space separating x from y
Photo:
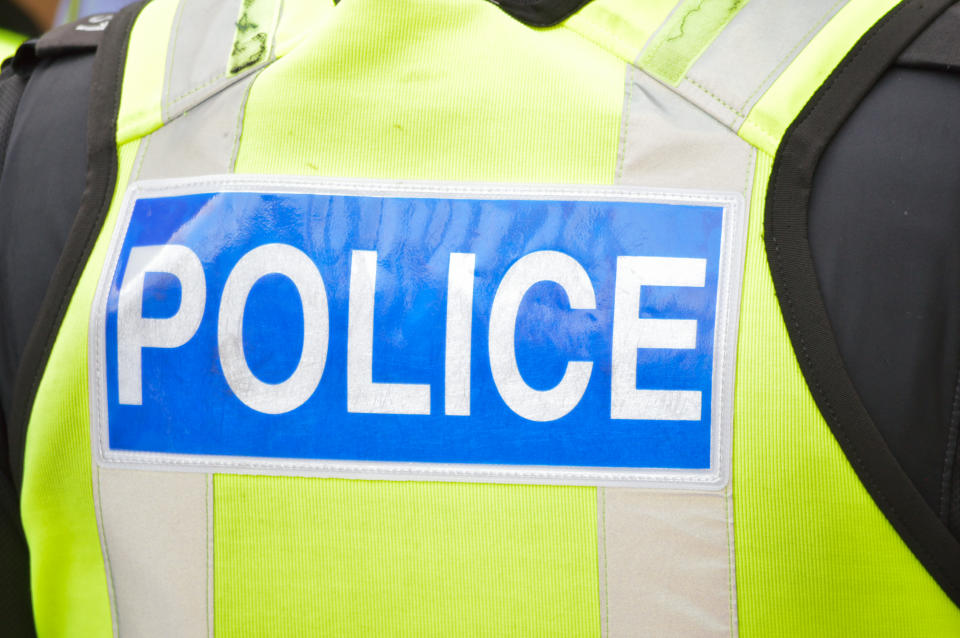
x=295 y=265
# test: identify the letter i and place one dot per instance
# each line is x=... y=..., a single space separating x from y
x=459 y=328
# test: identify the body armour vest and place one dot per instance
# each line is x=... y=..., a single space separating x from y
x=445 y=318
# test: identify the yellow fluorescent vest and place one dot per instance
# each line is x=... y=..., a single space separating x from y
x=668 y=95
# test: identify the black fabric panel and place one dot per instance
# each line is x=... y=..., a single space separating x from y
x=74 y=37
x=953 y=507
x=884 y=230
x=101 y=172
x=950 y=509
x=15 y=607
x=802 y=306
x=938 y=46
x=44 y=149
x=40 y=187
x=540 y=13
x=11 y=89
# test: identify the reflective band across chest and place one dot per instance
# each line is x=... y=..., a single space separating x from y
x=430 y=331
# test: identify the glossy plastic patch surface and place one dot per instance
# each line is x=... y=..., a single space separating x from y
x=449 y=332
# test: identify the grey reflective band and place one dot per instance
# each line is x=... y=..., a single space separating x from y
x=166 y=518
x=206 y=41
x=666 y=141
x=654 y=578
x=203 y=140
x=728 y=78
x=666 y=563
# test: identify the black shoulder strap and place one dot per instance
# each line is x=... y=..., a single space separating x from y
x=43 y=111
x=14 y=560
x=82 y=36
x=101 y=167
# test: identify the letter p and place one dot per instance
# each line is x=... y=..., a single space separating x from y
x=135 y=332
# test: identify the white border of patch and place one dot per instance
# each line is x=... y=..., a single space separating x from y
x=729 y=285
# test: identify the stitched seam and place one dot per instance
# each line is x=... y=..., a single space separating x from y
x=106 y=557
x=169 y=103
x=206 y=549
x=238 y=130
x=716 y=98
x=634 y=64
x=950 y=454
x=172 y=101
x=730 y=598
x=748 y=179
x=749 y=175
x=606 y=570
x=625 y=129
x=772 y=139
x=954 y=512
x=142 y=152
x=171 y=56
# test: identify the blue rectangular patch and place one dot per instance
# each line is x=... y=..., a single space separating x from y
x=341 y=329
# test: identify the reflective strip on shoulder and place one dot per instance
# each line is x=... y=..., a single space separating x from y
x=685 y=36
x=750 y=65
x=780 y=104
x=166 y=518
x=182 y=53
x=730 y=77
x=213 y=44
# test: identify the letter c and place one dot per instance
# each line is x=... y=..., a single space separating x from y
x=537 y=405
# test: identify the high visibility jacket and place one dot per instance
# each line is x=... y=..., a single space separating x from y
x=9 y=41
x=682 y=135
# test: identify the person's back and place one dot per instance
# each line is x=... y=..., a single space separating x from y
x=434 y=319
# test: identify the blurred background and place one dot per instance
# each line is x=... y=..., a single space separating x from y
x=22 y=19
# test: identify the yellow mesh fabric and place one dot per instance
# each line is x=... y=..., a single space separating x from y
x=305 y=557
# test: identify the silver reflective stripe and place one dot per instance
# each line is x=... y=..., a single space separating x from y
x=751 y=52
x=667 y=142
x=205 y=42
x=157 y=527
x=666 y=563
x=157 y=549
x=201 y=141
x=667 y=558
